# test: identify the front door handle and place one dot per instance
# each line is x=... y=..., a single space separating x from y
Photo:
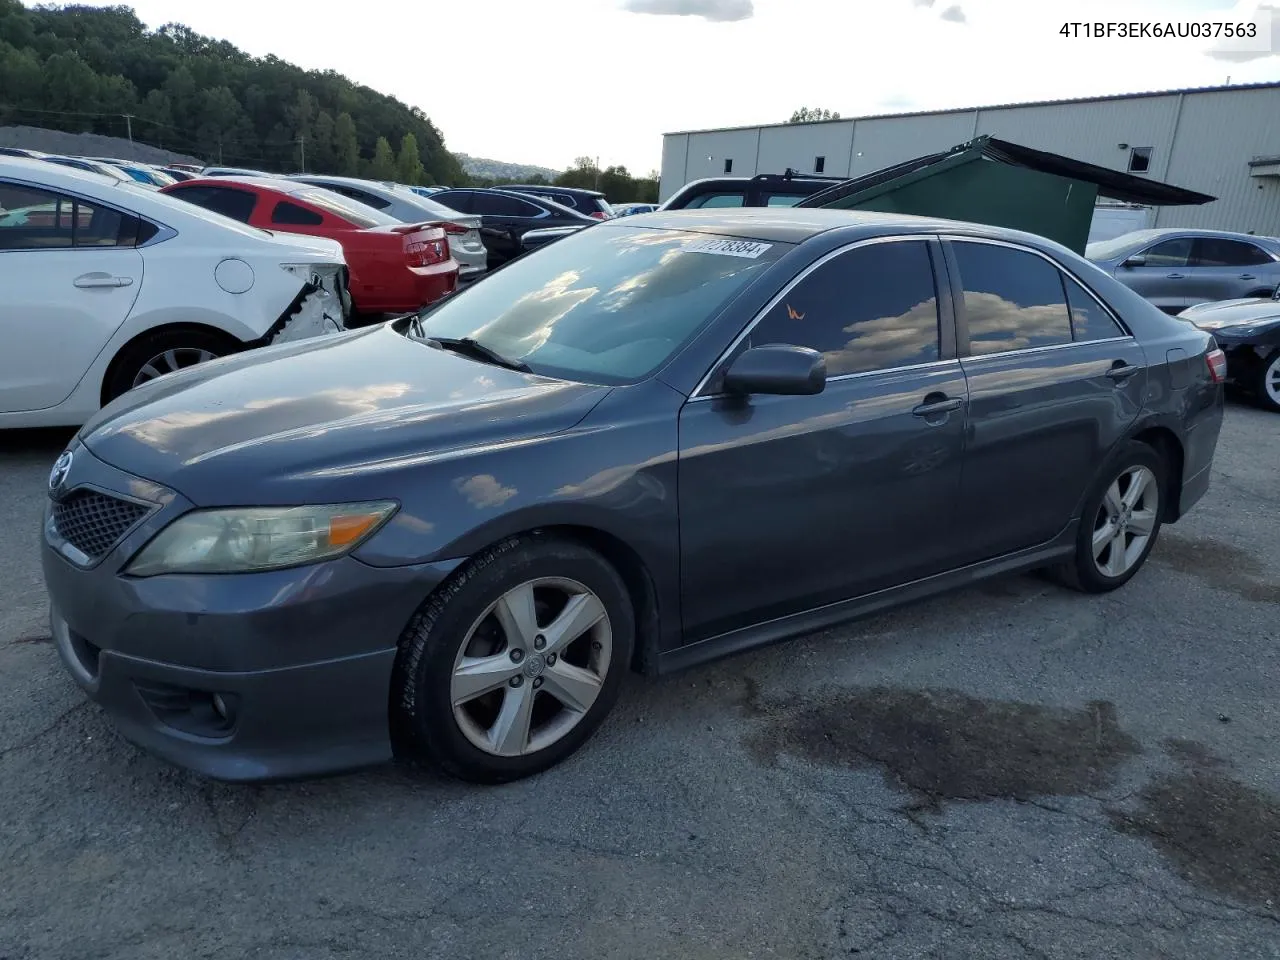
x=1175 y=276
x=90 y=281
x=931 y=408
x=1121 y=370
x=1247 y=276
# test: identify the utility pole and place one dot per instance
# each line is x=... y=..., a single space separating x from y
x=302 y=144
x=597 y=173
x=128 y=125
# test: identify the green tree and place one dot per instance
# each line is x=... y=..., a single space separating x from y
x=320 y=154
x=807 y=115
x=409 y=167
x=346 y=149
x=383 y=164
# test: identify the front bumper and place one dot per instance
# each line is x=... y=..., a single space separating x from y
x=300 y=660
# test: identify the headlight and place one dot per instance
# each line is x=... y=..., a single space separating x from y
x=246 y=539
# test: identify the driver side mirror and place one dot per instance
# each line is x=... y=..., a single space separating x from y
x=1137 y=260
x=777 y=369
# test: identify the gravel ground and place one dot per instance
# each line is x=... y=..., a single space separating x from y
x=1010 y=771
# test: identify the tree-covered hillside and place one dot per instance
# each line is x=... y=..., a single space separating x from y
x=99 y=70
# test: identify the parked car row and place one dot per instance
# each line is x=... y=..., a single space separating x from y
x=149 y=175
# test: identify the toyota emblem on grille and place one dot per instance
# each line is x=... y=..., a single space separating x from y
x=61 y=467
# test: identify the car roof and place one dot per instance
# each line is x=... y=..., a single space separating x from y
x=353 y=181
x=795 y=225
x=551 y=188
x=1156 y=233
x=274 y=184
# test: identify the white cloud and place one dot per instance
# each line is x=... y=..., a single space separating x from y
x=953 y=14
x=1266 y=19
x=717 y=11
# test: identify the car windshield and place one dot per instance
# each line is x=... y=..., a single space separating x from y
x=352 y=211
x=607 y=305
x=1107 y=249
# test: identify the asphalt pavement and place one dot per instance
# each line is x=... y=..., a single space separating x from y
x=1010 y=771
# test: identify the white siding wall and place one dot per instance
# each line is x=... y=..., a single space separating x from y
x=1217 y=136
x=798 y=145
x=884 y=141
x=1201 y=141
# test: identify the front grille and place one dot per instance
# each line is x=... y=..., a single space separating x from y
x=94 y=522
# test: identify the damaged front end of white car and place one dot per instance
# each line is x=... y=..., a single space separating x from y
x=321 y=307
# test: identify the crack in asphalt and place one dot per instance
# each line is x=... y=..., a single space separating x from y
x=39 y=735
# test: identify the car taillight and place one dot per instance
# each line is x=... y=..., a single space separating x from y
x=420 y=251
x=454 y=229
x=598 y=215
x=1216 y=360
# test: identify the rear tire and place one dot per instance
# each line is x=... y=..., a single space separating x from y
x=163 y=352
x=512 y=664
x=1120 y=522
x=1266 y=385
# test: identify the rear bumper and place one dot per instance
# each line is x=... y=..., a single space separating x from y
x=420 y=286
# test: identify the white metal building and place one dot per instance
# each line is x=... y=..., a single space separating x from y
x=1224 y=141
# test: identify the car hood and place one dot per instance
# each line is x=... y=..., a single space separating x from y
x=1231 y=313
x=311 y=420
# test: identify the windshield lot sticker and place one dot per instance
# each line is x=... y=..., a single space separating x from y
x=729 y=248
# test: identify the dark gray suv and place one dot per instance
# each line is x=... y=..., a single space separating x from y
x=659 y=441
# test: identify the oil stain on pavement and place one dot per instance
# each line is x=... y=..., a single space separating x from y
x=1218 y=832
x=944 y=745
x=1218 y=564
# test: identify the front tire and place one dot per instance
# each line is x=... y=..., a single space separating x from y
x=1266 y=385
x=1120 y=522
x=513 y=664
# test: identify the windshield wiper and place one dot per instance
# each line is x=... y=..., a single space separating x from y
x=477 y=351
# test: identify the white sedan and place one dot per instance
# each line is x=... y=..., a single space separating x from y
x=108 y=285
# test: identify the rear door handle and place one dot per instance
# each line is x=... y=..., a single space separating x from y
x=1121 y=370
x=933 y=407
x=1247 y=276
x=90 y=281
x=1175 y=276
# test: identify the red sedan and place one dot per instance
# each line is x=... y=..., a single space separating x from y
x=395 y=267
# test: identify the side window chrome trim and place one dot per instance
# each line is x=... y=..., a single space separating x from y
x=697 y=393
x=860 y=375
x=1061 y=268
x=1051 y=346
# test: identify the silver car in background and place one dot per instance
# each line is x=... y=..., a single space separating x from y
x=400 y=201
x=1176 y=269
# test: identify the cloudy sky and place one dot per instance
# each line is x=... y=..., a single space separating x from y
x=545 y=81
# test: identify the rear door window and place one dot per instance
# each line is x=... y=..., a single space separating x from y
x=236 y=204
x=294 y=215
x=782 y=199
x=461 y=201
x=710 y=200
x=1089 y=321
x=498 y=205
x=1013 y=299
x=1222 y=252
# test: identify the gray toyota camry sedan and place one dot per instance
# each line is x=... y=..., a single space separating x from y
x=662 y=440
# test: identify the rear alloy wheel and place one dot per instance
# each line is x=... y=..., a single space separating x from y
x=1267 y=389
x=164 y=352
x=512 y=665
x=1119 y=524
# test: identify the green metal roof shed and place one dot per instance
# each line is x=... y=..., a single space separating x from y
x=1003 y=184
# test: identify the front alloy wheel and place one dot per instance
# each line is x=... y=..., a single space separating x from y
x=531 y=666
x=513 y=662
